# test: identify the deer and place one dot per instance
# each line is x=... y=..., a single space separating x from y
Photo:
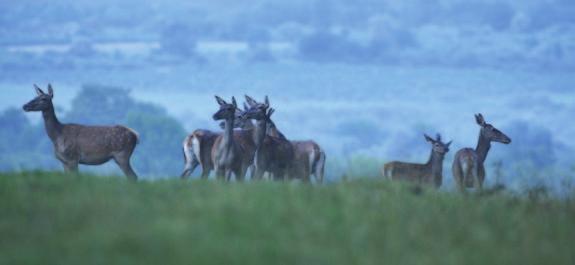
x=309 y=158
x=430 y=173
x=230 y=153
x=468 y=165
x=273 y=155
x=76 y=144
x=197 y=147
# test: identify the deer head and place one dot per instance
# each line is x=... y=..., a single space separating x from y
x=255 y=110
x=438 y=146
x=227 y=111
x=491 y=133
x=42 y=101
x=239 y=121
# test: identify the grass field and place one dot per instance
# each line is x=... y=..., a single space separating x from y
x=49 y=218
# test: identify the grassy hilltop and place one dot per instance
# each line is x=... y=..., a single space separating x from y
x=50 y=218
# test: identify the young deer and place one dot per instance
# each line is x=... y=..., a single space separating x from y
x=229 y=154
x=309 y=158
x=428 y=173
x=197 y=147
x=273 y=154
x=88 y=145
x=468 y=165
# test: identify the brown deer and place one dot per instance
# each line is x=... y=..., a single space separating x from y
x=309 y=158
x=88 y=145
x=273 y=155
x=429 y=173
x=468 y=165
x=197 y=147
x=230 y=153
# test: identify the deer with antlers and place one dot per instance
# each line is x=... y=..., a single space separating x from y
x=468 y=165
x=428 y=173
x=76 y=144
x=273 y=155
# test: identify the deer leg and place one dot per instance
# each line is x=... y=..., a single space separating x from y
x=220 y=173
x=122 y=159
x=127 y=169
x=478 y=179
x=317 y=177
x=258 y=174
x=70 y=167
x=228 y=175
x=305 y=172
x=244 y=170
x=205 y=173
x=252 y=170
x=306 y=177
x=319 y=169
x=279 y=175
x=458 y=177
x=190 y=167
x=240 y=173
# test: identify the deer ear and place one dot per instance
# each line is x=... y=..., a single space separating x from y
x=39 y=91
x=429 y=139
x=234 y=102
x=250 y=101
x=480 y=120
x=270 y=112
x=50 y=91
x=267 y=102
x=448 y=144
x=220 y=101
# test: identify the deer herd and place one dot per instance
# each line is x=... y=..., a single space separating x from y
x=242 y=147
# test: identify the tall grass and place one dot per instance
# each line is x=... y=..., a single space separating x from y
x=49 y=218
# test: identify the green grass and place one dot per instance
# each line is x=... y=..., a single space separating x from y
x=48 y=218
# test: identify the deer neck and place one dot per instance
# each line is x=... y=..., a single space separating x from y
x=228 y=137
x=482 y=149
x=435 y=163
x=248 y=126
x=273 y=130
x=52 y=124
x=260 y=132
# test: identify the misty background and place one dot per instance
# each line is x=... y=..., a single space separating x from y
x=365 y=79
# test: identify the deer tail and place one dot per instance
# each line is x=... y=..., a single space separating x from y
x=190 y=160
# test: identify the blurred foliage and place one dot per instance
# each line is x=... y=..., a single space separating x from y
x=533 y=144
x=23 y=146
x=363 y=166
x=109 y=220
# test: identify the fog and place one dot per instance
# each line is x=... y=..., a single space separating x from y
x=365 y=79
